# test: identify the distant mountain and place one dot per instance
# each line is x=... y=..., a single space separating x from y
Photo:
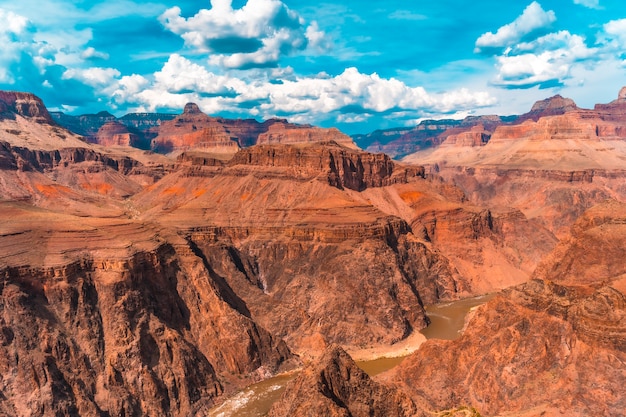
x=191 y=130
x=429 y=134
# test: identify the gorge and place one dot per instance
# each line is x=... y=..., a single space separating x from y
x=158 y=264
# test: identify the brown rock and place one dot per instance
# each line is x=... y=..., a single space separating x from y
x=335 y=386
x=116 y=134
x=551 y=342
x=279 y=133
x=476 y=136
x=193 y=129
x=551 y=106
x=24 y=104
x=113 y=320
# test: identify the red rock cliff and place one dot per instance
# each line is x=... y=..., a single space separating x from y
x=25 y=104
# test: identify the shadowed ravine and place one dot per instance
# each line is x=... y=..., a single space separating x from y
x=447 y=322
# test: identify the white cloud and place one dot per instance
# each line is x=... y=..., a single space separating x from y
x=592 y=4
x=532 y=19
x=94 y=77
x=11 y=23
x=548 y=59
x=180 y=75
x=614 y=34
x=256 y=35
x=91 y=53
x=354 y=95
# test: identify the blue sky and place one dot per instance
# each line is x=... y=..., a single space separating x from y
x=358 y=65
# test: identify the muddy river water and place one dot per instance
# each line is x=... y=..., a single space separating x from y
x=447 y=321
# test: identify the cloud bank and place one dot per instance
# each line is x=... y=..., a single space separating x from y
x=256 y=35
x=526 y=56
x=532 y=19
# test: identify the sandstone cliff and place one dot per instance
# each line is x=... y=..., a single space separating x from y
x=23 y=104
x=279 y=133
x=575 y=160
x=193 y=129
x=551 y=106
x=430 y=134
x=117 y=134
x=113 y=320
x=552 y=346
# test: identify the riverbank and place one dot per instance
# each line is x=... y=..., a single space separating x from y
x=447 y=321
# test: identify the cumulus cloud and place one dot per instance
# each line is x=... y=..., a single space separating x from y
x=592 y=4
x=614 y=34
x=528 y=57
x=532 y=19
x=12 y=24
x=94 y=77
x=350 y=97
x=546 y=61
x=256 y=35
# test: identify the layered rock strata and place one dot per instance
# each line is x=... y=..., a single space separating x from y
x=279 y=133
x=143 y=328
x=555 y=345
x=576 y=160
x=193 y=129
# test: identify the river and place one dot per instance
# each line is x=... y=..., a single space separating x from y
x=447 y=320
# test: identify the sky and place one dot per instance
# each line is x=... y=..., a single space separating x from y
x=357 y=65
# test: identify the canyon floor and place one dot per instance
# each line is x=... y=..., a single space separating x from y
x=143 y=283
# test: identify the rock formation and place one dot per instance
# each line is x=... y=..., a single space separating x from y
x=23 y=104
x=476 y=136
x=614 y=111
x=555 y=345
x=193 y=129
x=86 y=125
x=336 y=386
x=116 y=134
x=402 y=142
x=576 y=160
x=552 y=106
x=279 y=133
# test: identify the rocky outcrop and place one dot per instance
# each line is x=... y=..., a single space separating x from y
x=476 y=136
x=279 y=133
x=614 y=111
x=116 y=134
x=581 y=125
x=343 y=167
x=540 y=345
x=115 y=321
x=402 y=141
x=24 y=104
x=193 y=129
x=529 y=361
x=552 y=346
x=551 y=106
x=24 y=159
x=335 y=386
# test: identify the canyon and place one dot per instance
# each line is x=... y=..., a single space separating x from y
x=156 y=264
